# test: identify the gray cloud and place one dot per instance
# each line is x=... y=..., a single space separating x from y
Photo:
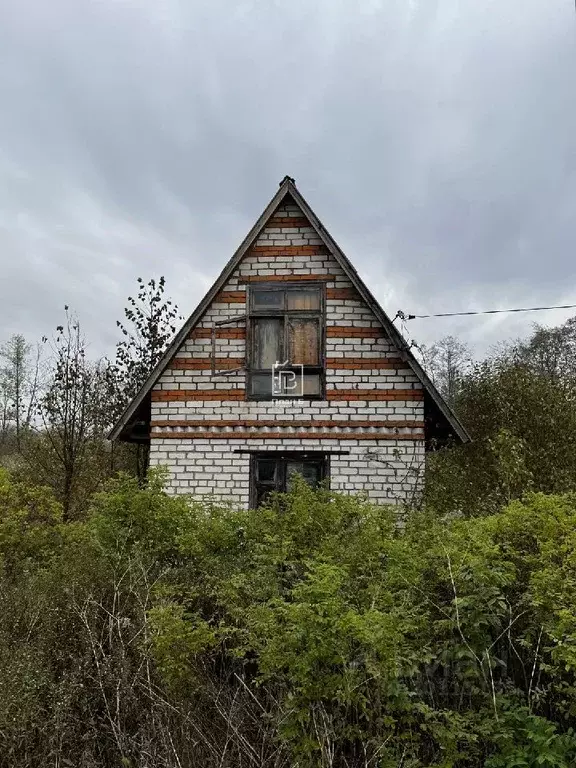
x=435 y=139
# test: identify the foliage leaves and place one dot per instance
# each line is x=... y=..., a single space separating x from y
x=311 y=632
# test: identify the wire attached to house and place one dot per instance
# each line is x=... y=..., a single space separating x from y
x=403 y=316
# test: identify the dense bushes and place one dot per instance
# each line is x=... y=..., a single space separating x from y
x=158 y=632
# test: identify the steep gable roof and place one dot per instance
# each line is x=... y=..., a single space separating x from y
x=288 y=189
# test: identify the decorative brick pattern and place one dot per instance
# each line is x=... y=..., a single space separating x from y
x=291 y=278
x=231 y=297
x=392 y=424
x=205 y=364
x=221 y=333
x=288 y=250
x=346 y=332
x=370 y=363
x=332 y=394
x=280 y=434
x=374 y=402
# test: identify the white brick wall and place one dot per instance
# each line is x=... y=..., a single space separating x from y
x=387 y=471
x=208 y=464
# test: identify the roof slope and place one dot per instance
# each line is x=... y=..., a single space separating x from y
x=288 y=189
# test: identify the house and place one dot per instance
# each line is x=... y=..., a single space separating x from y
x=289 y=365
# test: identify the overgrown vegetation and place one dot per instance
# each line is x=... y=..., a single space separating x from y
x=519 y=406
x=57 y=404
x=311 y=632
x=140 y=629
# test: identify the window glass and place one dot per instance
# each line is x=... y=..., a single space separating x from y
x=312 y=384
x=266 y=470
x=285 y=327
x=309 y=470
x=261 y=384
x=277 y=473
x=263 y=299
x=267 y=341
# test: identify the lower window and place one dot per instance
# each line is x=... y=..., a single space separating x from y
x=275 y=472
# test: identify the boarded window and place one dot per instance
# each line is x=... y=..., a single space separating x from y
x=306 y=299
x=303 y=341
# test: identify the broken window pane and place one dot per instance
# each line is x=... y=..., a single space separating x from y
x=267 y=339
x=285 y=328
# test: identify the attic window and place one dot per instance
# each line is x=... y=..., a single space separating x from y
x=285 y=342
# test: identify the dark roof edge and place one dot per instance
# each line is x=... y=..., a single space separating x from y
x=182 y=334
x=288 y=187
x=381 y=315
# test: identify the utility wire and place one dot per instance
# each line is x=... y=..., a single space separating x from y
x=404 y=316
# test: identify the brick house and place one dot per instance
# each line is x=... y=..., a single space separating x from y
x=289 y=365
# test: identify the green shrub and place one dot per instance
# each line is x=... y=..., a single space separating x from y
x=311 y=632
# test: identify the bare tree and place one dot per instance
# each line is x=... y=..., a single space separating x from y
x=18 y=386
x=446 y=362
x=6 y=408
x=70 y=411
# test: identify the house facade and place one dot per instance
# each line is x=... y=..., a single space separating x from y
x=289 y=366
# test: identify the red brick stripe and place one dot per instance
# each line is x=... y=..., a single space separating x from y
x=168 y=395
x=371 y=363
x=344 y=331
x=221 y=333
x=205 y=364
x=287 y=221
x=342 y=293
x=375 y=394
x=288 y=250
x=239 y=297
x=231 y=297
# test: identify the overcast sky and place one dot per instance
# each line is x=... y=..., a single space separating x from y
x=436 y=139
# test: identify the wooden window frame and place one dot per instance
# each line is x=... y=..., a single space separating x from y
x=285 y=314
x=282 y=458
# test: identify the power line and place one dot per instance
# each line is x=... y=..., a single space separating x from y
x=404 y=316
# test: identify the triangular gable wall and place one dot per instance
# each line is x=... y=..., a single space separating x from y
x=287 y=242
